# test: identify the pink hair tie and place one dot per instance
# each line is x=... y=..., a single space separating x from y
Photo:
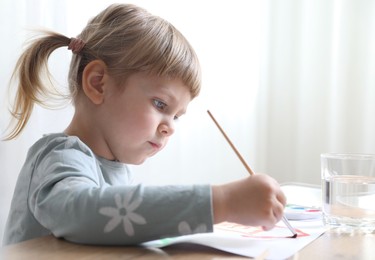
x=76 y=45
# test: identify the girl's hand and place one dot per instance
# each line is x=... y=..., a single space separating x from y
x=254 y=201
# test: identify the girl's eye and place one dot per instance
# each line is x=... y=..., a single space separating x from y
x=159 y=104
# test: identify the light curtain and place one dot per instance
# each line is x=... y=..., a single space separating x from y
x=317 y=88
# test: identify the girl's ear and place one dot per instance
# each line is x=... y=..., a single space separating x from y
x=93 y=81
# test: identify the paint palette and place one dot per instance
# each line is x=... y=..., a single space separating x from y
x=299 y=212
x=304 y=201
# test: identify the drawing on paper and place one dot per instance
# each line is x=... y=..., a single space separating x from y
x=256 y=232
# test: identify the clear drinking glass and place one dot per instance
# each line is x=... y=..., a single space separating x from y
x=348 y=191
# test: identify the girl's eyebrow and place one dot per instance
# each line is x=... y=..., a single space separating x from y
x=166 y=92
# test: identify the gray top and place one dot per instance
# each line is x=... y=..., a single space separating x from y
x=66 y=190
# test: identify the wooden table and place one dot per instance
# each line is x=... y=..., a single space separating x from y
x=330 y=245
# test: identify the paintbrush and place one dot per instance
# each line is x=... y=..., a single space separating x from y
x=285 y=220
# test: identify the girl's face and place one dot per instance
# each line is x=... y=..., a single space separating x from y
x=137 y=119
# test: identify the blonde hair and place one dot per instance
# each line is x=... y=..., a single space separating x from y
x=127 y=38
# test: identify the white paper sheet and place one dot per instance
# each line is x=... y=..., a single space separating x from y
x=252 y=242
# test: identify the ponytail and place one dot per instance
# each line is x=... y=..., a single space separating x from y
x=31 y=72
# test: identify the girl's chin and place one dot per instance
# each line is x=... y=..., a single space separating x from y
x=140 y=160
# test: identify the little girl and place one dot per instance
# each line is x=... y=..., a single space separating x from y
x=131 y=76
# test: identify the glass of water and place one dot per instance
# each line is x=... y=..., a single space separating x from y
x=348 y=191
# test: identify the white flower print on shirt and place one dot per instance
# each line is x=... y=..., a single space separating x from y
x=123 y=213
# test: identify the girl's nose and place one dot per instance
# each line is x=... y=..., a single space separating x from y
x=166 y=128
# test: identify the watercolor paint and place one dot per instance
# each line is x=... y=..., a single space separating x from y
x=300 y=212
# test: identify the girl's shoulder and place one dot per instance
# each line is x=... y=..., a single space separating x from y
x=63 y=151
x=60 y=142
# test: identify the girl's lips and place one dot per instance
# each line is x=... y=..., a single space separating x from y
x=155 y=145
